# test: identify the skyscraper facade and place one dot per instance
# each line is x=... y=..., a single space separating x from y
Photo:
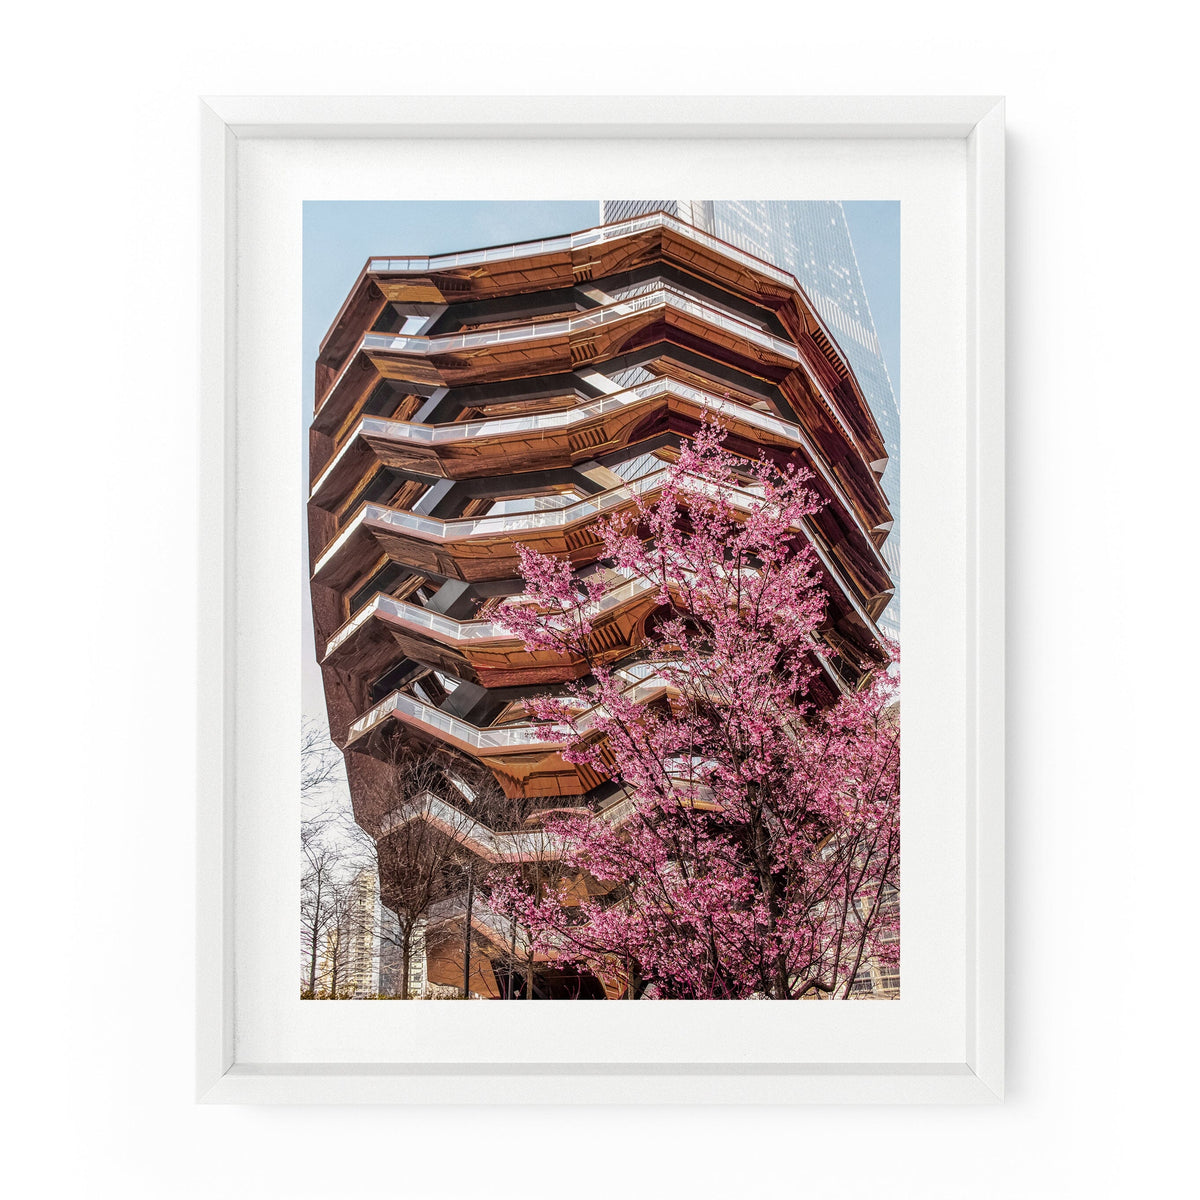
x=348 y=967
x=810 y=239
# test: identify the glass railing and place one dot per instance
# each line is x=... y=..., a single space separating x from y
x=448 y=629
x=435 y=435
x=479 y=740
x=458 y=528
x=576 y=241
x=643 y=683
x=516 y=845
x=598 y=236
x=495 y=845
x=497 y=427
x=461 y=528
x=594 y=318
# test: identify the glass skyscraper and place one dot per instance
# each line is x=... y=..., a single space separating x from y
x=810 y=239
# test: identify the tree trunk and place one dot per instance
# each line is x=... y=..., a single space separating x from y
x=316 y=924
x=467 y=935
x=405 y=959
x=761 y=851
x=512 y=958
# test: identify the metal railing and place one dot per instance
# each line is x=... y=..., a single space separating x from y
x=451 y=630
x=607 y=233
x=643 y=682
x=599 y=235
x=595 y=318
x=494 y=845
x=434 y=435
x=506 y=845
x=460 y=528
x=496 y=427
x=578 y=241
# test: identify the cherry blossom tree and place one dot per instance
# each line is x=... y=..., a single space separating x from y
x=756 y=851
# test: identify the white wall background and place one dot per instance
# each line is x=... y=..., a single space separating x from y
x=100 y=290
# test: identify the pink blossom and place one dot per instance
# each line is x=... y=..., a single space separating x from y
x=758 y=853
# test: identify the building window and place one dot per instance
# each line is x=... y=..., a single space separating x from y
x=863 y=984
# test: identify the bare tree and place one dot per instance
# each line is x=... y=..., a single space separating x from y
x=319 y=885
x=434 y=803
x=434 y=852
x=320 y=760
x=330 y=854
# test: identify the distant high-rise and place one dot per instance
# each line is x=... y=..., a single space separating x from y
x=349 y=963
x=810 y=239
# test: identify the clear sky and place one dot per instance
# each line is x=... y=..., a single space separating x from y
x=340 y=235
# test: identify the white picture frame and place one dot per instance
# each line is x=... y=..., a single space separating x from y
x=976 y=125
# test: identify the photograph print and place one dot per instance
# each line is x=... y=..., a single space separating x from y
x=601 y=690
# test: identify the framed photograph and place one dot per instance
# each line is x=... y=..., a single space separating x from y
x=552 y=596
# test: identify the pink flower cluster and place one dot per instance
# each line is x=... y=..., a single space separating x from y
x=757 y=850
